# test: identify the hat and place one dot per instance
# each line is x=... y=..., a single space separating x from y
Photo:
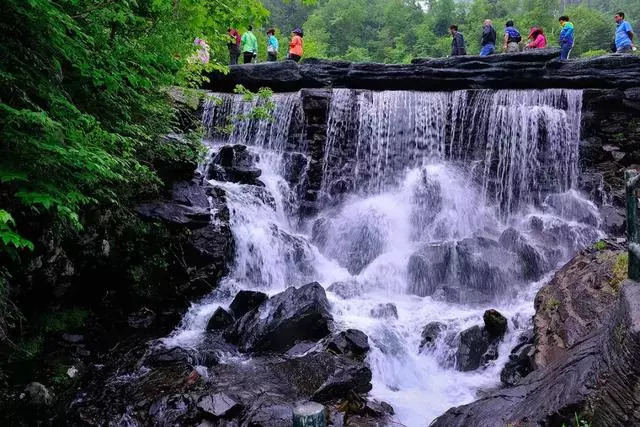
x=297 y=31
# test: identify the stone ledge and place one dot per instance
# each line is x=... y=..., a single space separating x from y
x=525 y=70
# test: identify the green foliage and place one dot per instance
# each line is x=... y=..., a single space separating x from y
x=551 y=305
x=600 y=245
x=82 y=97
x=620 y=271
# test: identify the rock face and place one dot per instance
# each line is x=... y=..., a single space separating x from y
x=526 y=70
x=278 y=323
x=479 y=345
x=245 y=301
x=428 y=268
x=595 y=378
x=577 y=301
x=234 y=163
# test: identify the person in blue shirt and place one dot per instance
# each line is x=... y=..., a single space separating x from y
x=566 y=37
x=624 y=34
x=272 y=45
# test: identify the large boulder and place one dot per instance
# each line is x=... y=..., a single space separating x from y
x=595 y=379
x=352 y=343
x=220 y=320
x=531 y=263
x=428 y=268
x=495 y=324
x=291 y=316
x=245 y=301
x=571 y=206
x=484 y=265
x=234 y=163
x=473 y=350
x=431 y=332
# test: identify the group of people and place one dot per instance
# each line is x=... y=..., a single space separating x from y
x=623 y=42
x=247 y=44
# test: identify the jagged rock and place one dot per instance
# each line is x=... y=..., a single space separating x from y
x=384 y=311
x=352 y=342
x=235 y=164
x=484 y=265
x=141 y=319
x=532 y=264
x=221 y=319
x=278 y=415
x=218 y=405
x=572 y=207
x=614 y=220
x=495 y=324
x=175 y=214
x=430 y=334
x=518 y=366
x=356 y=378
x=595 y=377
x=171 y=410
x=531 y=69
x=459 y=295
x=320 y=232
x=291 y=316
x=578 y=300
x=36 y=395
x=245 y=301
x=295 y=165
x=473 y=350
x=428 y=268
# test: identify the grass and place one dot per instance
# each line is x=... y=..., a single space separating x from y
x=600 y=245
x=620 y=271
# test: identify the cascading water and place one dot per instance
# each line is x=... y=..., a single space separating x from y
x=430 y=201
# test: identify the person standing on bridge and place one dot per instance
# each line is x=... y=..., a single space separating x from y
x=457 y=43
x=512 y=38
x=249 y=46
x=272 y=45
x=624 y=34
x=566 y=37
x=488 y=39
x=296 y=46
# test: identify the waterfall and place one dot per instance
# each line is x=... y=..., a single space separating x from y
x=422 y=196
x=525 y=143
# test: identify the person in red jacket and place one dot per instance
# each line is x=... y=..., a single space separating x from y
x=295 y=47
x=233 y=45
x=538 y=40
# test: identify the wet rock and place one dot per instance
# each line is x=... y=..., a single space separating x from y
x=356 y=379
x=171 y=410
x=221 y=319
x=291 y=316
x=171 y=169
x=162 y=356
x=495 y=324
x=175 y=214
x=218 y=405
x=519 y=365
x=189 y=193
x=571 y=206
x=294 y=166
x=459 y=295
x=320 y=232
x=141 y=319
x=532 y=264
x=378 y=409
x=245 y=301
x=614 y=220
x=356 y=242
x=428 y=268
x=278 y=415
x=73 y=338
x=384 y=311
x=346 y=290
x=430 y=334
x=352 y=342
x=235 y=164
x=475 y=349
x=300 y=349
x=36 y=395
x=484 y=265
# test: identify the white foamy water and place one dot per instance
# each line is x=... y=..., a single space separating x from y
x=410 y=182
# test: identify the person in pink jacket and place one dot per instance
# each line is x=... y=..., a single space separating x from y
x=538 y=40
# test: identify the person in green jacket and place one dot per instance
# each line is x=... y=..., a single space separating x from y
x=249 y=46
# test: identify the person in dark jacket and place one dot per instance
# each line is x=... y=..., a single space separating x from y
x=512 y=38
x=457 y=43
x=488 y=39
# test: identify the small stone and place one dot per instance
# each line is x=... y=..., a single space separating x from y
x=72 y=338
x=350 y=342
x=37 y=395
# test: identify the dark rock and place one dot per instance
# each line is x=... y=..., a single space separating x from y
x=320 y=232
x=171 y=410
x=428 y=268
x=235 y=164
x=459 y=295
x=475 y=349
x=356 y=241
x=430 y=334
x=526 y=70
x=495 y=324
x=294 y=167
x=378 y=409
x=218 y=405
x=595 y=377
x=384 y=311
x=162 y=356
x=190 y=193
x=300 y=349
x=171 y=169
x=519 y=365
x=141 y=319
x=426 y=204
x=484 y=265
x=291 y=316
x=355 y=378
x=221 y=319
x=36 y=395
x=73 y=338
x=175 y=214
x=245 y=301
x=569 y=206
x=279 y=415
x=352 y=342
x=614 y=220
